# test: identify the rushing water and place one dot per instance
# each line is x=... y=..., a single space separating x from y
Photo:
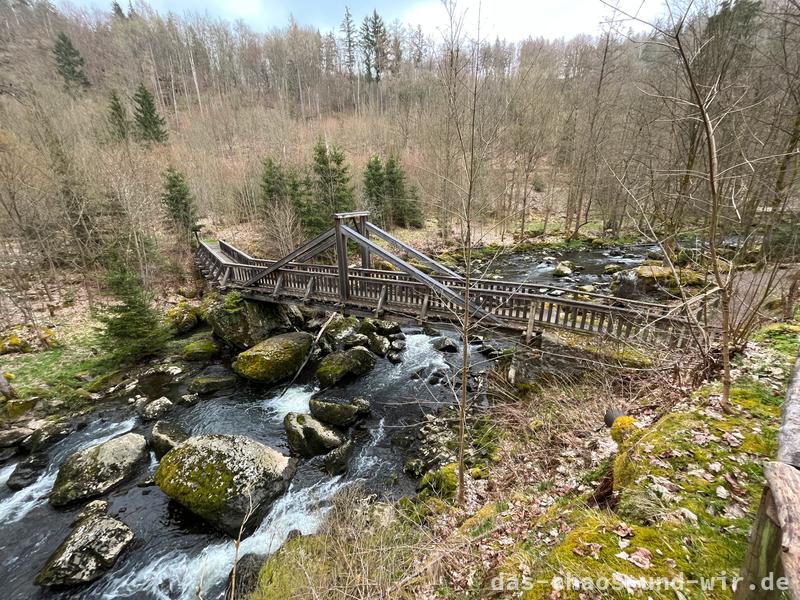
x=174 y=554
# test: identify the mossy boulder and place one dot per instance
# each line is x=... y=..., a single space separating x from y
x=183 y=317
x=89 y=550
x=563 y=269
x=14 y=343
x=219 y=478
x=612 y=268
x=308 y=437
x=94 y=471
x=274 y=359
x=340 y=329
x=345 y=364
x=200 y=350
x=242 y=323
x=339 y=413
x=209 y=384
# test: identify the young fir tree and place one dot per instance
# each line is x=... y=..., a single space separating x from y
x=399 y=197
x=273 y=183
x=179 y=203
x=69 y=64
x=117 y=12
x=373 y=192
x=119 y=124
x=330 y=190
x=131 y=328
x=150 y=126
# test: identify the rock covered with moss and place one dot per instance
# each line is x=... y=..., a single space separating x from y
x=94 y=471
x=345 y=364
x=208 y=384
x=183 y=317
x=308 y=437
x=89 y=550
x=277 y=358
x=339 y=413
x=200 y=350
x=219 y=478
x=242 y=323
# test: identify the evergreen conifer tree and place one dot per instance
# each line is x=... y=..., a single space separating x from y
x=330 y=187
x=150 y=126
x=179 y=203
x=399 y=197
x=119 y=125
x=131 y=328
x=117 y=12
x=274 y=184
x=69 y=64
x=373 y=191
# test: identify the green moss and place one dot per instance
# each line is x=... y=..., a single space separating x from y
x=622 y=428
x=203 y=349
x=276 y=358
x=442 y=483
x=783 y=337
x=208 y=385
x=348 y=363
x=201 y=486
x=278 y=577
x=232 y=303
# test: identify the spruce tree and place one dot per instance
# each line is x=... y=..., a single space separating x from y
x=373 y=191
x=399 y=197
x=117 y=12
x=119 y=125
x=69 y=64
x=274 y=185
x=348 y=30
x=179 y=203
x=331 y=189
x=131 y=328
x=150 y=126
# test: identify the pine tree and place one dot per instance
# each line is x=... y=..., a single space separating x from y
x=69 y=64
x=367 y=44
x=402 y=200
x=349 y=32
x=150 y=126
x=380 y=44
x=179 y=203
x=131 y=328
x=331 y=190
x=273 y=183
x=373 y=191
x=119 y=125
x=117 y=12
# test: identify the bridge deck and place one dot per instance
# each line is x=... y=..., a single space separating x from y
x=512 y=307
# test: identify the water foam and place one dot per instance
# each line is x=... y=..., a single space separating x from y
x=294 y=400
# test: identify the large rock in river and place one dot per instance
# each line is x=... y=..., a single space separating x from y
x=89 y=551
x=308 y=437
x=165 y=436
x=274 y=359
x=242 y=323
x=344 y=365
x=93 y=471
x=219 y=478
x=338 y=412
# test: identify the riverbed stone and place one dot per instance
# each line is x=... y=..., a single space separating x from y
x=378 y=344
x=248 y=571
x=308 y=437
x=205 y=385
x=336 y=460
x=89 y=550
x=356 y=339
x=27 y=472
x=277 y=358
x=94 y=471
x=242 y=323
x=157 y=409
x=203 y=349
x=563 y=269
x=445 y=344
x=398 y=345
x=46 y=436
x=165 y=436
x=345 y=364
x=340 y=328
x=13 y=436
x=339 y=413
x=394 y=357
x=225 y=479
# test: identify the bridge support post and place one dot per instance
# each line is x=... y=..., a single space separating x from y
x=361 y=227
x=341 y=259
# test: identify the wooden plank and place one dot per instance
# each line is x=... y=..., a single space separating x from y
x=763 y=556
x=531 y=319
x=784 y=485
x=423 y=315
x=789 y=432
x=278 y=284
x=303 y=250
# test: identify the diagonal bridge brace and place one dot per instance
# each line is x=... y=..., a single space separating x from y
x=311 y=248
x=434 y=284
x=428 y=262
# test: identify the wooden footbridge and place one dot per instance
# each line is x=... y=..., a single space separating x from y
x=435 y=294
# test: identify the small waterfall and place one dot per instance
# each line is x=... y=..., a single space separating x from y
x=294 y=400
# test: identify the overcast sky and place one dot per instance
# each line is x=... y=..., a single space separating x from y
x=510 y=19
